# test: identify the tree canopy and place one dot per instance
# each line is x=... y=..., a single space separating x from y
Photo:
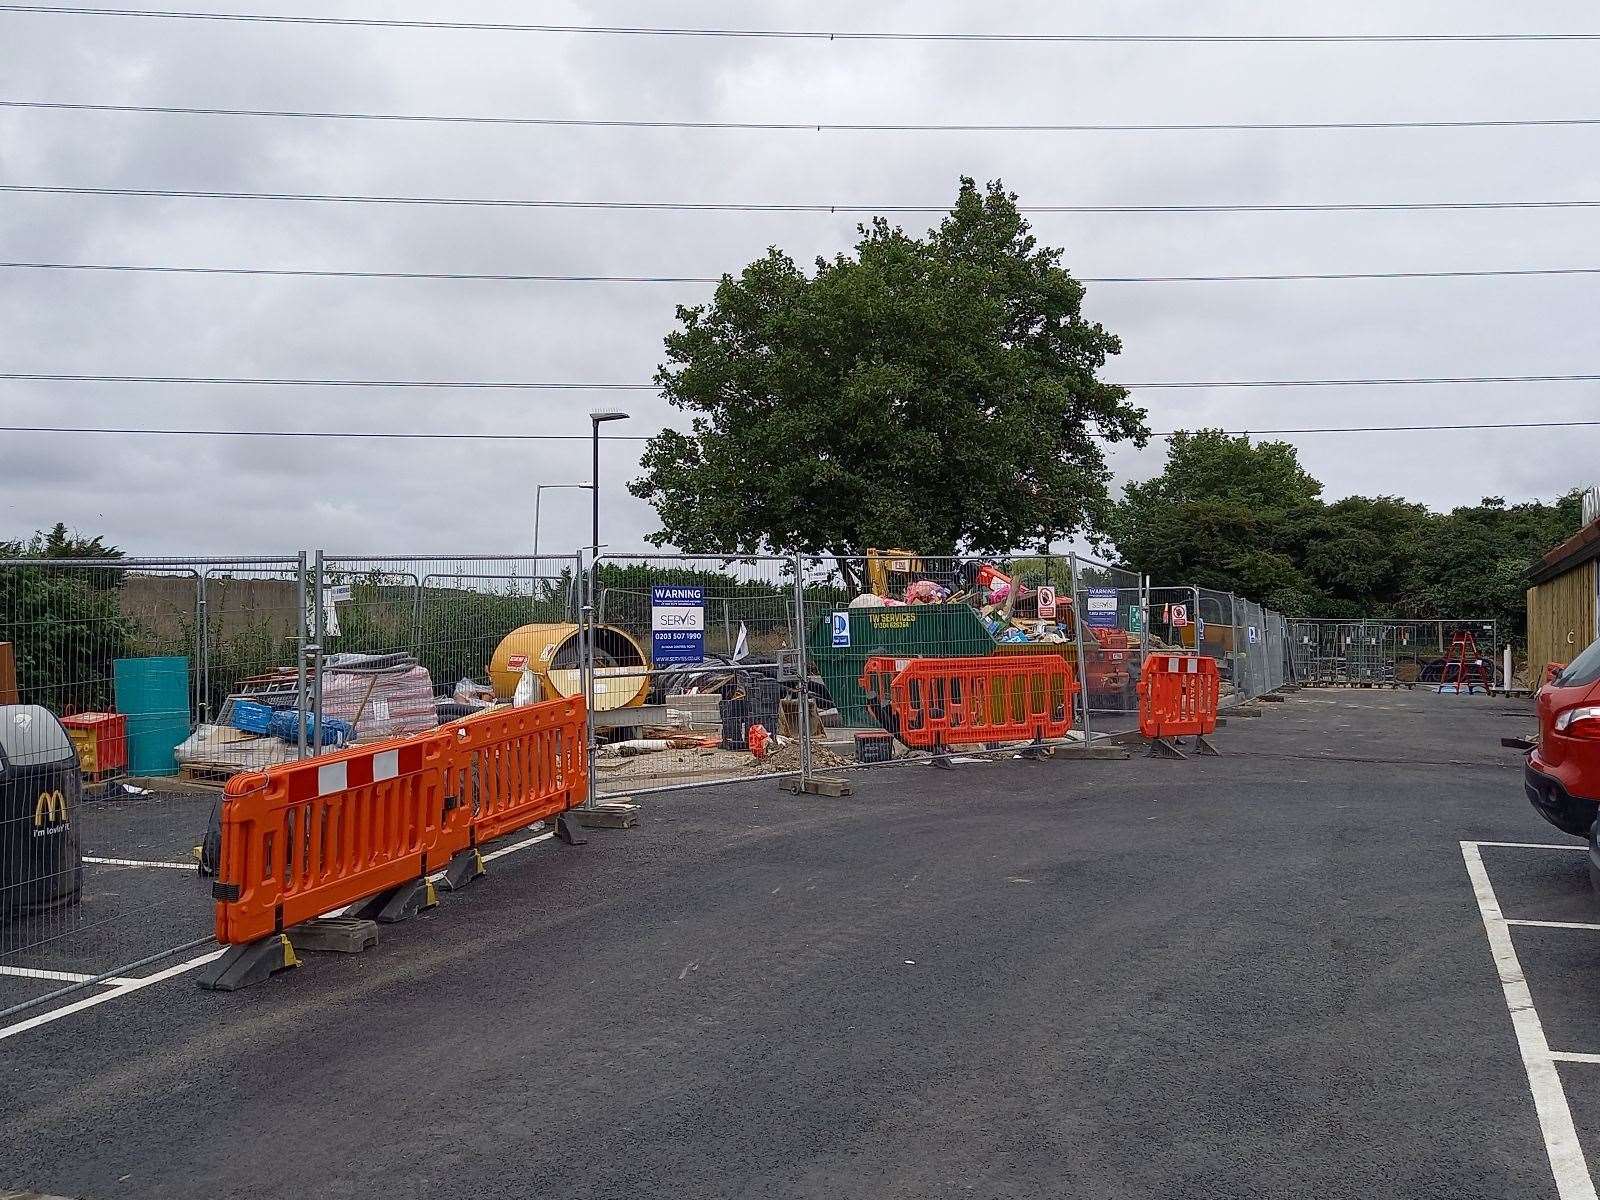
x=59 y=542
x=1244 y=516
x=65 y=624
x=936 y=392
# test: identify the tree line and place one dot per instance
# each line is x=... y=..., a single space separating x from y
x=941 y=393
x=1244 y=516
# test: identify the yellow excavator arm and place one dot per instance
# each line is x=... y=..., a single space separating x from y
x=889 y=571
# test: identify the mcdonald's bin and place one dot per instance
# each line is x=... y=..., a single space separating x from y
x=41 y=863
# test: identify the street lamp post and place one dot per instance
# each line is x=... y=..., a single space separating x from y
x=538 y=490
x=596 y=419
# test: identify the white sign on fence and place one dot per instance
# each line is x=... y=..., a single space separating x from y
x=677 y=624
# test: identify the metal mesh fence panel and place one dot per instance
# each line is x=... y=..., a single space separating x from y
x=405 y=644
x=866 y=619
x=696 y=676
x=1213 y=633
x=1210 y=632
x=1251 y=652
x=251 y=654
x=117 y=665
x=1109 y=602
x=1276 y=636
x=1384 y=651
x=1200 y=620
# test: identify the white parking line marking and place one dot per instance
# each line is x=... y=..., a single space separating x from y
x=1530 y=845
x=515 y=846
x=55 y=976
x=1544 y=1081
x=1574 y=1057
x=1554 y=924
x=117 y=988
x=125 y=988
x=138 y=862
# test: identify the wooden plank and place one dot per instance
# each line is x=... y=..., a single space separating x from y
x=210 y=774
x=170 y=783
x=8 y=675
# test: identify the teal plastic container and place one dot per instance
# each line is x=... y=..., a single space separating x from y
x=153 y=693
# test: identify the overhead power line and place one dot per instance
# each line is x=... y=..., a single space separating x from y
x=295 y=272
x=826 y=35
x=1278 y=383
x=525 y=385
x=802 y=126
x=384 y=435
x=253 y=381
x=511 y=277
x=1332 y=275
x=682 y=206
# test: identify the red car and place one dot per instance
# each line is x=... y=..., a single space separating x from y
x=1562 y=777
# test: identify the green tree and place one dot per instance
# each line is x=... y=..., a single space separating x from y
x=1225 y=513
x=1474 y=561
x=62 y=543
x=65 y=623
x=1238 y=516
x=939 y=393
x=1359 y=553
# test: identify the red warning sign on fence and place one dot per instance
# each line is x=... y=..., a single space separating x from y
x=1047 y=603
x=1180 y=615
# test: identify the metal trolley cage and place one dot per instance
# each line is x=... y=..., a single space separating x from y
x=1385 y=651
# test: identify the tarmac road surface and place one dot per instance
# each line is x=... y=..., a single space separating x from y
x=1261 y=975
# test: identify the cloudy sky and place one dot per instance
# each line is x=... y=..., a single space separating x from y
x=235 y=496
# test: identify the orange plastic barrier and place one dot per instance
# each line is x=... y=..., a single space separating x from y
x=521 y=765
x=302 y=839
x=1178 y=695
x=929 y=703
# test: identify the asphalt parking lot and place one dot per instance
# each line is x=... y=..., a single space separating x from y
x=141 y=896
x=1268 y=974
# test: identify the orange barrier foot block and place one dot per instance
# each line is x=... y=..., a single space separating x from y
x=243 y=966
x=399 y=904
x=465 y=867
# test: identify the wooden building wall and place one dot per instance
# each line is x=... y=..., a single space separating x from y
x=1561 y=617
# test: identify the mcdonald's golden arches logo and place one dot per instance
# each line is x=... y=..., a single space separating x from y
x=50 y=810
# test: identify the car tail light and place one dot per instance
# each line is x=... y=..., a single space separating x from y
x=1581 y=722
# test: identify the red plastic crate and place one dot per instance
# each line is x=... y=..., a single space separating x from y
x=101 y=739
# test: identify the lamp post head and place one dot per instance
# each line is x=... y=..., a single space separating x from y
x=611 y=415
